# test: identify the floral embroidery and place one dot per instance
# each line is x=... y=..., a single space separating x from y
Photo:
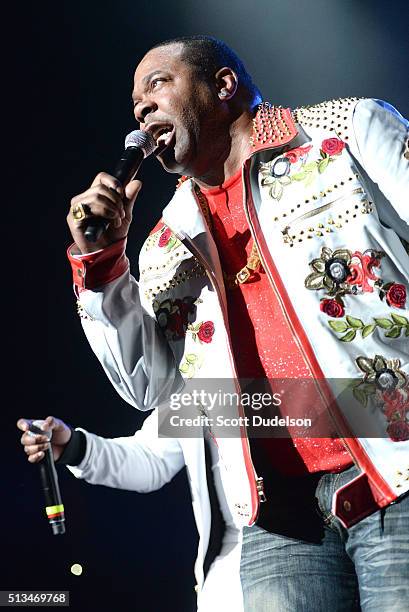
x=190 y=364
x=167 y=240
x=395 y=294
x=173 y=316
x=332 y=308
x=275 y=181
x=393 y=327
x=343 y=272
x=332 y=146
x=275 y=173
x=389 y=387
x=202 y=332
x=294 y=155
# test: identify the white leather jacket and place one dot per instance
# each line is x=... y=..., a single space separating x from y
x=326 y=198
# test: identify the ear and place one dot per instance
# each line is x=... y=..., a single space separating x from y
x=226 y=83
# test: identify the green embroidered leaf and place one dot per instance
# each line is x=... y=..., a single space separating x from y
x=314 y=281
x=368 y=329
x=276 y=190
x=285 y=180
x=399 y=320
x=184 y=367
x=379 y=363
x=299 y=176
x=338 y=326
x=329 y=283
x=318 y=265
x=326 y=253
x=191 y=358
x=402 y=380
x=394 y=332
x=360 y=396
x=365 y=364
x=407 y=331
x=342 y=254
x=170 y=244
x=384 y=323
x=369 y=389
x=310 y=167
x=322 y=165
x=349 y=336
x=355 y=323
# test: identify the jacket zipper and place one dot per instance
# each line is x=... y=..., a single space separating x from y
x=277 y=293
x=258 y=482
x=316 y=211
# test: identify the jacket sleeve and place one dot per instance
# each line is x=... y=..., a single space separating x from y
x=142 y=462
x=126 y=339
x=381 y=145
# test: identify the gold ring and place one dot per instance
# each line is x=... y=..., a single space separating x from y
x=78 y=211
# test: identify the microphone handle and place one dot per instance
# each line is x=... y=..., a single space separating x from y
x=49 y=484
x=125 y=171
x=53 y=502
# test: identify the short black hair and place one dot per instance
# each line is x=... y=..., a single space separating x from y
x=207 y=55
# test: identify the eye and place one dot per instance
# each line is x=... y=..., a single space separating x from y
x=155 y=81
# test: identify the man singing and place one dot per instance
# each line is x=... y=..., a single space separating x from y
x=280 y=256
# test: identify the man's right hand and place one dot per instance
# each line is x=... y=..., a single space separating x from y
x=105 y=198
x=36 y=445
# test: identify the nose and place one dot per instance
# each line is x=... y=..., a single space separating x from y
x=143 y=108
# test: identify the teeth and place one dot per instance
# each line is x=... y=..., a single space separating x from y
x=165 y=137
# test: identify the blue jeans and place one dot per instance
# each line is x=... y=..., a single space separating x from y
x=363 y=568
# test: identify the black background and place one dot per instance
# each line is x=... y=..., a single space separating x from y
x=68 y=79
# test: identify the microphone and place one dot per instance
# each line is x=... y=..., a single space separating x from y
x=49 y=482
x=138 y=145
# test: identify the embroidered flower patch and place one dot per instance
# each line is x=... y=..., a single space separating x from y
x=167 y=240
x=277 y=174
x=389 y=386
x=343 y=272
x=173 y=316
x=202 y=332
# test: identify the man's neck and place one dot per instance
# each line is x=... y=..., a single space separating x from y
x=233 y=152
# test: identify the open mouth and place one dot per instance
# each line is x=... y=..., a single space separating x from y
x=165 y=140
x=163 y=135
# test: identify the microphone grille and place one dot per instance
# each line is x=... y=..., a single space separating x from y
x=142 y=140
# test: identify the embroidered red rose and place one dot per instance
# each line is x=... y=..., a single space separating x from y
x=206 y=331
x=362 y=271
x=356 y=277
x=396 y=295
x=396 y=405
x=398 y=431
x=165 y=237
x=332 y=146
x=332 y=308
x=294 y=155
